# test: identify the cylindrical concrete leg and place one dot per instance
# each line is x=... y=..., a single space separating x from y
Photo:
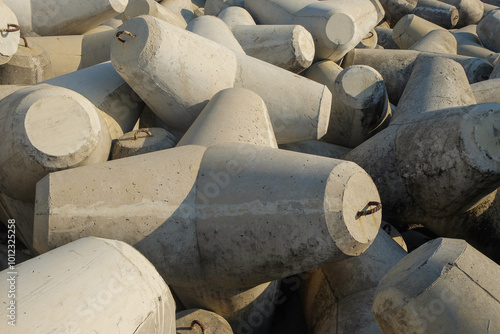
x=469 y=44
x=347 y=288
x=337 y=26
x=226 y=119
x=213 y=28
x=153 y=8
x=287 y=46
x=142 y=141
x=437 y=12
x=46 y=129
x=434 y=84
x=487 y=30
x=70 y=17
x=396 y=9
x=469 y=11
x=236 y=16
x=445 y=283
x=88 y=286
x=198 y=321
x=9 y=39
x=440 y=41
x=410 y=29
x=106 y=89
x=31 y=64
x=71 y=53
x=298 y=113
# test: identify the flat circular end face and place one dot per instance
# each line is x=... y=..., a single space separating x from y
x=353 y=222
x=303 y=44
x=119 y=5
x=340 y=29
x=62 y=130
x=454 y=16
x=8 y=40
x=212 y=322
x=360 y=86
x=324 y=113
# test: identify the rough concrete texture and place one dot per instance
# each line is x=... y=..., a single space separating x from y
x=443 y=286
x=287 y=46
x=236 y=16
x=337 y=298
x=437 y=12
x=298 y=112
x=410 y=29
x=71 y=53
x=337 y=26
x=31 y=64
x=211 y=214
x=215 y=29
x=469 y=44
x=487 y=30
x=495 y=74
x=106 y=89
x=188 y=322
x=232 y=115
x=8 y=40
x=90 y=285
x=153 y=8
x=214 y=7
x=45 y=129
x=70 y=17
x=441 y=41
x=396 y=66
x=142 y=141
x=317 y=147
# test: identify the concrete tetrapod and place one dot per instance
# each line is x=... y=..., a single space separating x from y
x=45 y=129
x=443 y=286
x=71 y=53
x=396 y=9
x=336 y=26
x=396 y=66
x=8 y=39
x=107 y=90
x=90 y=285
x=198 y=321
x=213 y=28
x=440 y=13
x=287 y=46
x=337 y=297
x=194 y=69
x=469 y=11
x=410 y=29
x=69 y=17
x=440 y=41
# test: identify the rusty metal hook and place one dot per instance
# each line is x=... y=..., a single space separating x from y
x=378 y=207
x=197 y=322
x=124 y=32
x=143 y=130
x=25 y=41
x=11 y=27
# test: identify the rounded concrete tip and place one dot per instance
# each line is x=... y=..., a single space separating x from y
x=353 y=220
x=60 y=128
x=340 y=29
